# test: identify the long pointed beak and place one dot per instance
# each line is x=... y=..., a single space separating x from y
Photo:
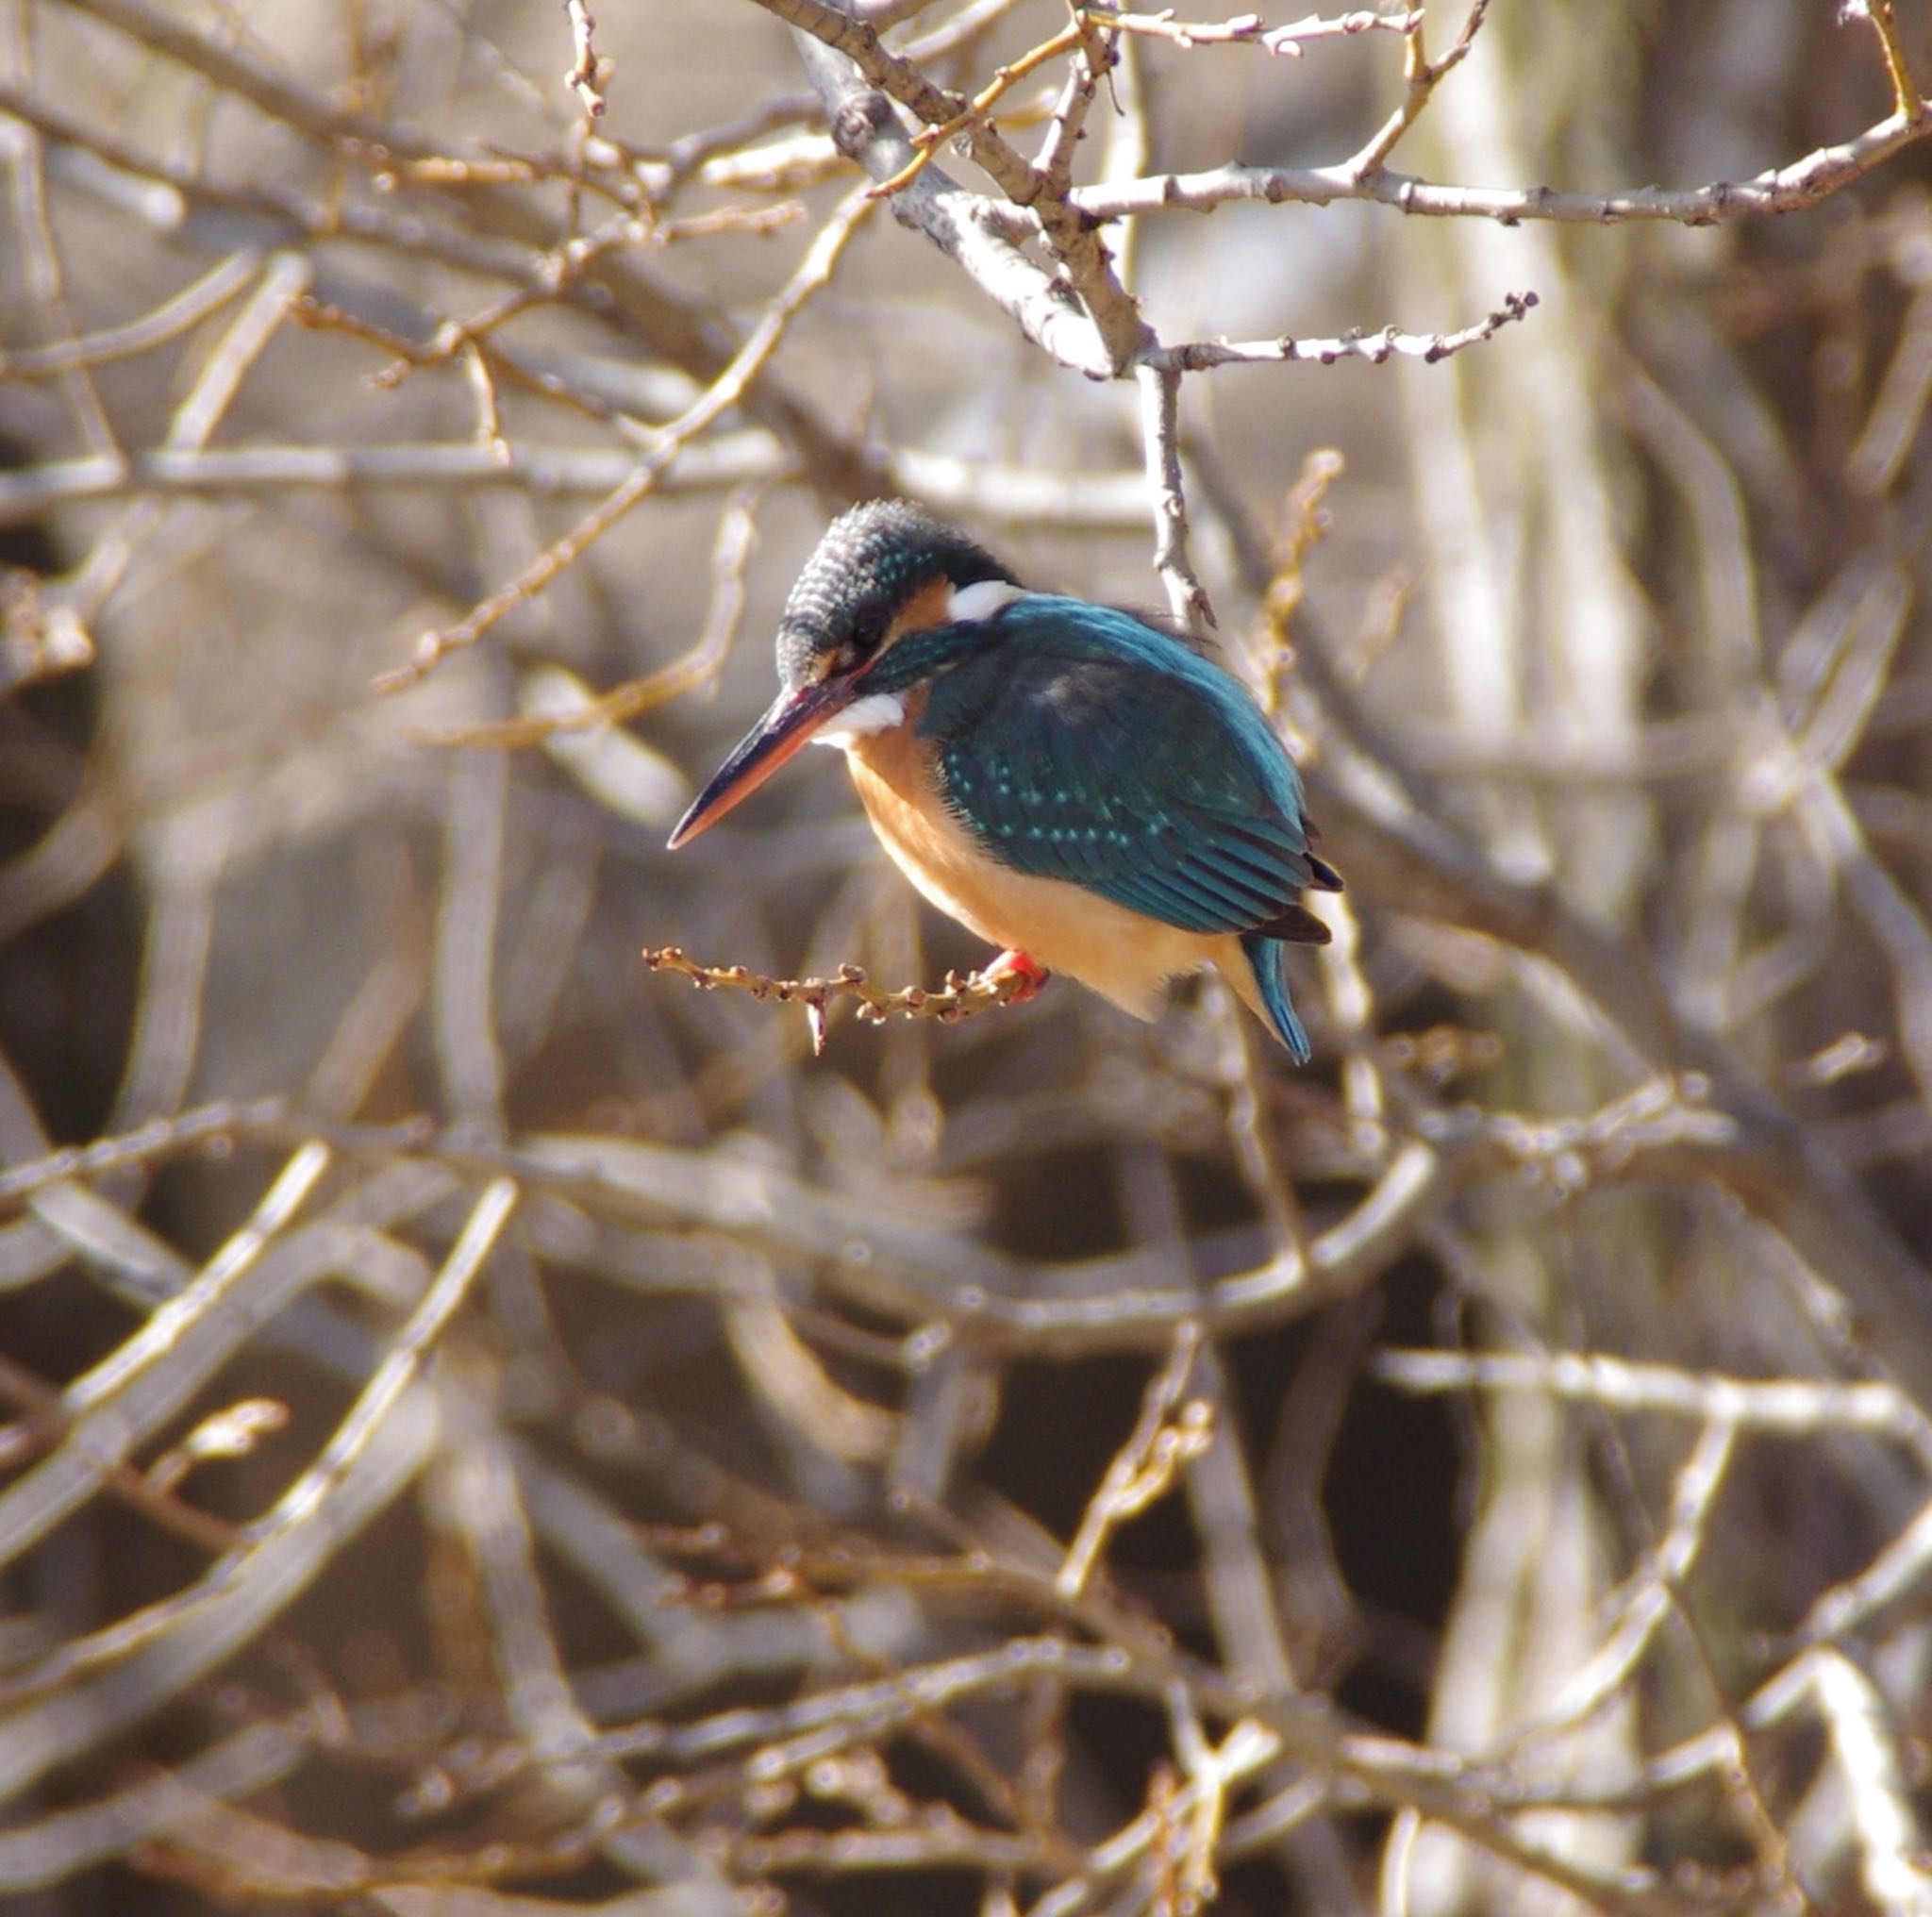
x=789 y=724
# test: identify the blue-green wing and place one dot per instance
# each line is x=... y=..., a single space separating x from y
x=1079 y=744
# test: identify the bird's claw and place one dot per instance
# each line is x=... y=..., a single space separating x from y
x=1028 y=970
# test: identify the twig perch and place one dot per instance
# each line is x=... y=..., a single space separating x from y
x=960 y=997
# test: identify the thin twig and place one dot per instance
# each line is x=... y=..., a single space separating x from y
x=1375 y=348
x=960 y=997
x=1249 y=29
x=1906 y=97
x=586 y=73
x=1421 y=77
x=1165 y=1435
x=1115 y=321
x=976 y=112
x=1787 y=189
x=306 y=1501
x=731 y=551
x=813 y=272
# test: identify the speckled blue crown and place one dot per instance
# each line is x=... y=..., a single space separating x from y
x=869 y=564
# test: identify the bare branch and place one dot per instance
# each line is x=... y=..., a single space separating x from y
x=726 y=391
x=1198 y=356
x=1421 y=77
x=1249 y=29
x=586 y=73
x=1777 y=189
x=1166 y=1435
x=1187 y=598
x=1118 y=328
x=958 y=998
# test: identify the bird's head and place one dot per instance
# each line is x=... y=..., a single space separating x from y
x=886 y=569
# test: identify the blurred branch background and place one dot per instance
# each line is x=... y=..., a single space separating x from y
x=486 y=1428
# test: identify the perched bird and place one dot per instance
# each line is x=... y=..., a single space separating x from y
x=1072 y=781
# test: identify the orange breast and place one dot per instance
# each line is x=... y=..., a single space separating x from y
x=1119 y=954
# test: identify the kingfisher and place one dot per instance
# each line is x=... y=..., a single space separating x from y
x=1075 y=782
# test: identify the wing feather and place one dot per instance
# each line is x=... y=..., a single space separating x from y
x=1080 y=743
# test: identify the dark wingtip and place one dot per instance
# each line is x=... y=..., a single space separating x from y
x=1298 y=926
x=1322 y=876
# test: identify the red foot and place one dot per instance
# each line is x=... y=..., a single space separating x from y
x=1031 y=974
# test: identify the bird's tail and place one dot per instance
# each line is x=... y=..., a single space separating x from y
x=1268 y=959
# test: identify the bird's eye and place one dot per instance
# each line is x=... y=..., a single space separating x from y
x=867 y=635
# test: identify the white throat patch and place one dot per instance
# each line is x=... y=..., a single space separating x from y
x=876 y=712
x=981 y=601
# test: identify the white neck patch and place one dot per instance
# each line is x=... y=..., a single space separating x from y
x=876 y=712
x=968 y=604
